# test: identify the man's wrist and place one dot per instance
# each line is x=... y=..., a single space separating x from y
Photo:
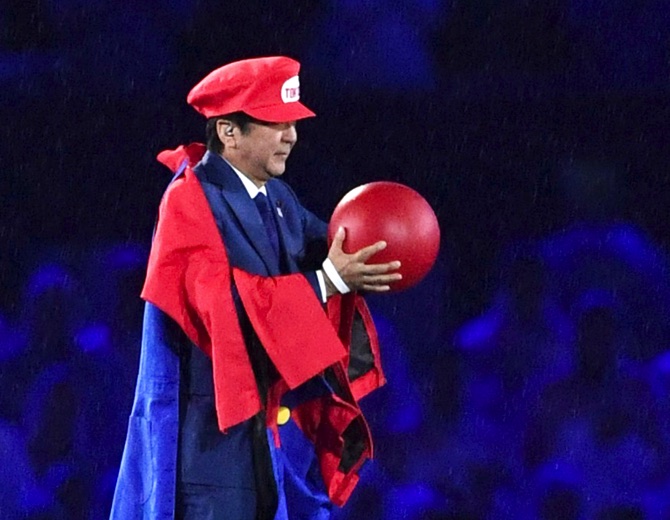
x=334 y=277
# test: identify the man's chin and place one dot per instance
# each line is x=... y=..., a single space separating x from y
x=277 y=171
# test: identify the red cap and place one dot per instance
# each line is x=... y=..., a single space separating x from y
x=264 y=88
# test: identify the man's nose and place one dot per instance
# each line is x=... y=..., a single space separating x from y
x=290 y=134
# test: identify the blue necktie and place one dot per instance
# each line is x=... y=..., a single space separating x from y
x=264 y=208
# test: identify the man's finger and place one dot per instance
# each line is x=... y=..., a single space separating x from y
x=363 y=254
x=338 y=239
x=375 y=288
x=371 y=269
x=381 y=279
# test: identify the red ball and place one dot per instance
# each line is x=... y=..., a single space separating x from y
x=397 y=214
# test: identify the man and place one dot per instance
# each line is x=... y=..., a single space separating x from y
x=246 y=401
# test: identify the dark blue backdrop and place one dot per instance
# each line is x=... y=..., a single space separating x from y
x=528 y=373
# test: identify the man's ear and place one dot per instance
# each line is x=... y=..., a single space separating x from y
x=225 y=130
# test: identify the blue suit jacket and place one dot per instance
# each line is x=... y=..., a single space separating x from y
x=148 y=474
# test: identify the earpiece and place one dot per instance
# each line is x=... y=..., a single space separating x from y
x=229 y=130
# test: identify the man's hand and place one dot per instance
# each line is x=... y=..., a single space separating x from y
x=358 y=275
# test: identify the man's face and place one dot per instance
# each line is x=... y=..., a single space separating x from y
x=262 y=151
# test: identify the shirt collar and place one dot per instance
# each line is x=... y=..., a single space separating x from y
x=251 y=188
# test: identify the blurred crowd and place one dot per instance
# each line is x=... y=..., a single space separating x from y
x=557 y=407
x=561 y=403
x=551 y=404
x=68 y=358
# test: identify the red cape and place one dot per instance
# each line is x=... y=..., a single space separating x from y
x=189 y=278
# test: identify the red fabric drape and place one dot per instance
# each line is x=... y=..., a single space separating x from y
x=189 y=278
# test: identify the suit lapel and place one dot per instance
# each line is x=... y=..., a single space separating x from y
x=217 y=171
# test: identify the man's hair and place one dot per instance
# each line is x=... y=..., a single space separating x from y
x=214 y=144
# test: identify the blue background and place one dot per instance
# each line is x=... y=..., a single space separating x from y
x=529 y=373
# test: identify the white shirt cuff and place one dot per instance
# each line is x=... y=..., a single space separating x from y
x=335 y=277
x=322 y=286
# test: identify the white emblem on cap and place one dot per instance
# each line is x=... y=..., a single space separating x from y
x=290 y=90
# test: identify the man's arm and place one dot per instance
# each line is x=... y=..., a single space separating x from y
x=341 y=272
